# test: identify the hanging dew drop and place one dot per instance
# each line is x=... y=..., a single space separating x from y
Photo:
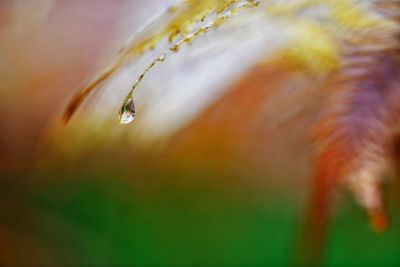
x=128 y=112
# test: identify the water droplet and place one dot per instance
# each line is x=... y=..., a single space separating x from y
x=128 y=112
x=162 y=58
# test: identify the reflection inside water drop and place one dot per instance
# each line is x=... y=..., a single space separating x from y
x=128 y=112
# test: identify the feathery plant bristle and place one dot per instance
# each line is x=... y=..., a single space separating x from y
x=184 y=17
x=311 y=42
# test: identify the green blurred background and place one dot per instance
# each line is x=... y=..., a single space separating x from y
x=99 y=218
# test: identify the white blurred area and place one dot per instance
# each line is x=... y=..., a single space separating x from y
x=177 y=90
